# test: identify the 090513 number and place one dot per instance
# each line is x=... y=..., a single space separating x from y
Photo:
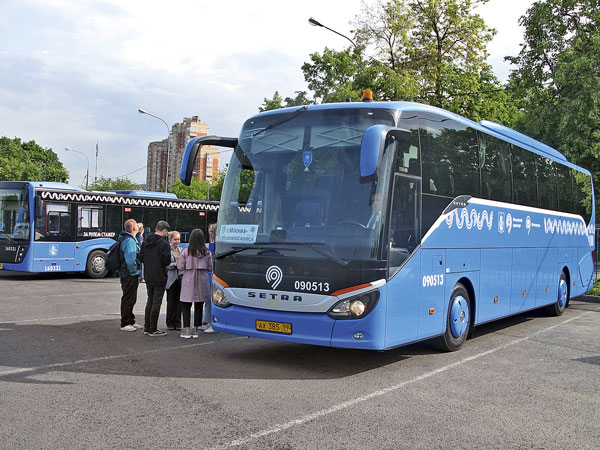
x=433 y=280
x=314 y=286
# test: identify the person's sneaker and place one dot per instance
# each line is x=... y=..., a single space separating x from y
x=203 y=327
x=146 y=332
x=157 y=333
x=128 y=328
x=195 y=335
x=137 y=326
x=210 y=329
x=185 y=335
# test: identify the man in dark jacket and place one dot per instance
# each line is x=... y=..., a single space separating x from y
x=155 y=255
x=129 y=274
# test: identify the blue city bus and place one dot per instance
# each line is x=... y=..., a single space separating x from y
x=378 y=224
x=56 y=227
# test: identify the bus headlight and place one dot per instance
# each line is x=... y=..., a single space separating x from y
x=218 y=297
x=354 y=307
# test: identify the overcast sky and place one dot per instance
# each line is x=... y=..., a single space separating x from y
x=73 y=72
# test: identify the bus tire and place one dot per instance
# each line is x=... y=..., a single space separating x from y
x=562 y=297
x=96 y=264
x=458 y=321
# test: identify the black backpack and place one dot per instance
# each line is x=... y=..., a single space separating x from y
x=113 y=257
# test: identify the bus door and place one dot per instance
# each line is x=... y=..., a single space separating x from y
x=54 y=249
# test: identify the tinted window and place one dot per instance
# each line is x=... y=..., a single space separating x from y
x=114 y=222
x=524 y=187
x=56 y=224
x=495 y=168
x=566 y=201
x=582 y=194
x=408 y=157
x=546 y=175
x=450 y=162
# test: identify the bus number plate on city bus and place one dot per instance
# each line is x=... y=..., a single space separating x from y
x=274 y=327
x=1 y=266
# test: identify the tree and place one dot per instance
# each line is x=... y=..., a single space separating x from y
x=27 y=161
x=558 y=79
x=112 y=184
x=428 y=51
x=277 y=101
x=197 y=190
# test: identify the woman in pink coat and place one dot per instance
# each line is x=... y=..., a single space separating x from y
x=196 y=263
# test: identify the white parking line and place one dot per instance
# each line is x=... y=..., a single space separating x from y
x=67 y=294
x=107 y=358
x=58 y=318
x=348 y=404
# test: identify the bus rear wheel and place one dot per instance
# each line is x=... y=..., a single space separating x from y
x=562 y=298
x=96 y=264
x=458 y=321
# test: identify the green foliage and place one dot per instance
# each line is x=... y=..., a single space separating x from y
x=112 y=184
x=428 y=51
x=277 y=101
x=558 y=78
x=27 y=161
x=197 y=190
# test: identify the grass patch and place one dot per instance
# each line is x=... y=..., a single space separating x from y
x=596 y=289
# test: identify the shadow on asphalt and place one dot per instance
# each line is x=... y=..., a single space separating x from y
x=47 y=351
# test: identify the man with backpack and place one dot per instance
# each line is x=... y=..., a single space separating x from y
x=129 y=273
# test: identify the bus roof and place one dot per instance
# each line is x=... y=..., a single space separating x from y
x=495 y=129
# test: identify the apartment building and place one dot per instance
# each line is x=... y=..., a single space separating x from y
x=207 y=163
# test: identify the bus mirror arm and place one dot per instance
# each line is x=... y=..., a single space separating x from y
x=192 y=149
x=372 y=146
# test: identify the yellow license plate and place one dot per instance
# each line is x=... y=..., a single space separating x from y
x=1 y=266
x=274 y=327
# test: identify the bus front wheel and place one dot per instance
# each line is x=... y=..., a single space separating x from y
x=562 y=298
x=96 y=264
x=458 y=321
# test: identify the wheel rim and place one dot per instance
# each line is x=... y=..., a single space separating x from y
x=562 y=293
x=98 y=264
x=459 y=316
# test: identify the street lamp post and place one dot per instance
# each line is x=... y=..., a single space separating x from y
x=142 y=111
x=316 y=23
x=87 y=173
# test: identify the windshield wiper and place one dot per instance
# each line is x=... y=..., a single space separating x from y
x=257 y=246
x=312 y=246
x=8 y=238
x=282 y=120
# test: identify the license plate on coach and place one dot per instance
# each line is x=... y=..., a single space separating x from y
x=274 y=327
x=1 y=266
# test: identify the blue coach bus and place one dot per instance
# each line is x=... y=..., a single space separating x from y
x=55 y=227
x=373 y=225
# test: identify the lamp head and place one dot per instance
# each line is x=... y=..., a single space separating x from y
x=314 y=22
x=141 y=111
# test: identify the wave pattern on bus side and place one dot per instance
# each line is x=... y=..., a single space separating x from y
x=470 y=219
x=100 y=198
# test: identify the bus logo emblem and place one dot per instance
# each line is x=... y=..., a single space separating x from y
x=53 y=250
x=501 y=222
x=274 y=276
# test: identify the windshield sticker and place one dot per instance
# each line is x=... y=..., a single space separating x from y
x=249 y=134
x=307 y=158
x=238 y=234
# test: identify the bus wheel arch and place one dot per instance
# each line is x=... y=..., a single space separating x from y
x=459 y=318
x=95 y=266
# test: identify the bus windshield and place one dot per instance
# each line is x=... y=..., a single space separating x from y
x=294 y=183
x=14 y=215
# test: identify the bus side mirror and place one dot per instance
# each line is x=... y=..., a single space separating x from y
x=373 y=144
x=192 y=149
x=39 y=209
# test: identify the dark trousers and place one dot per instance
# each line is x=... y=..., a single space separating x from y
x=186 y=308
x=174 y=305
x=129 y=286
x=155 y=296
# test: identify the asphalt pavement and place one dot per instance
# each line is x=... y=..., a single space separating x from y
x=69 y=378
